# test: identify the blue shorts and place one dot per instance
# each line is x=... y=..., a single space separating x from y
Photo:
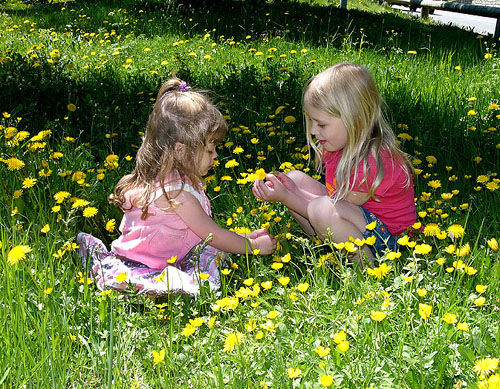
x=384 y=239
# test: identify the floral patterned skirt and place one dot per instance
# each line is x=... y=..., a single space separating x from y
x=184 y=276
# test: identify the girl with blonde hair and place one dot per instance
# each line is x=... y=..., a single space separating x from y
x=368 y=179
x=169 y=242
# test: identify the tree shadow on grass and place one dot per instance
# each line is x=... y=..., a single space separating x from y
x=308 y=24
x=110 y=101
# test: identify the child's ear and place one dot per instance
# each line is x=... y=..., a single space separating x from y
x=179 y=151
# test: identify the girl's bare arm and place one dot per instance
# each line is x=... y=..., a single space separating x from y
x=191 y=212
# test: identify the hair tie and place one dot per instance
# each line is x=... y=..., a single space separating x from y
x=183 y=87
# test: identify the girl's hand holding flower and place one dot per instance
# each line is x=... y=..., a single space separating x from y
x=274 y=188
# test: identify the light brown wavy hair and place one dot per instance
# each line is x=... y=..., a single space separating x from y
x=348 y=91
x=180 y=115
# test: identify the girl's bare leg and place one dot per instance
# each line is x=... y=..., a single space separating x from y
x=343 y=219
x=307 y=184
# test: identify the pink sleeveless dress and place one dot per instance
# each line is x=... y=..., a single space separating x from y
x=143 y=257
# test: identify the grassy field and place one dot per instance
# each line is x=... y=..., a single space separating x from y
x=78 y=79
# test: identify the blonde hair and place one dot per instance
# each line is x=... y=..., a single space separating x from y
x=180 y=115
x=348 y=91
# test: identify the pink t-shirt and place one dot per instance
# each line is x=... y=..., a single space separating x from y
x=162 y=235
x=396 y=202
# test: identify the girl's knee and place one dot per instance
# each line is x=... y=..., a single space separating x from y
x=295 y=175
x=322 y=212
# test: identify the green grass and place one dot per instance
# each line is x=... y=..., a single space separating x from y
x=108 y=59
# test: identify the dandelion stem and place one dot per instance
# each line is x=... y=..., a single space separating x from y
x=111 y=343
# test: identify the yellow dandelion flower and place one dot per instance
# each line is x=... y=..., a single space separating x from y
x=238 y=150
x=17 y=254
x=370 y=241
x=266 y=285
x=188 y=330
x=371 y=226
x=422 y=292
x=431 y=229
x=450 y=318
x=303 y=287
x=492 y=186
x=481 y=288
x=494 y=381
x=17 y=193
x=80 y=203
x=404 y=240
x=463 y=250
x=322 y=351
x=110 y=225
x=197 y=322
x=378 y=316
x=379 y=272
x=232 y=340
x=29 y=182
x=231 y=163
x=293 y=373
x=423 y=249
x=122 y=277
x=111 y=161
x=61 y=196
x=158 y=356
x=326 y=380
x=290 y=119
x=260 y=174
x=431 y=159
x=90 y=212
x=405 y=136
x=276 y=265
x=450 y=249
x=462 y=326
x=434 y=184
x=45 y=229
x=279 y=109
x=343 y=346
x=456 y=231
x=408 y=278
x=425 y=311
x=14 y=164
x=486 y=366
x=392 y=255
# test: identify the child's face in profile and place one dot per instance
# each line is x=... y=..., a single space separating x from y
x=206 y=158
x=329 y=130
